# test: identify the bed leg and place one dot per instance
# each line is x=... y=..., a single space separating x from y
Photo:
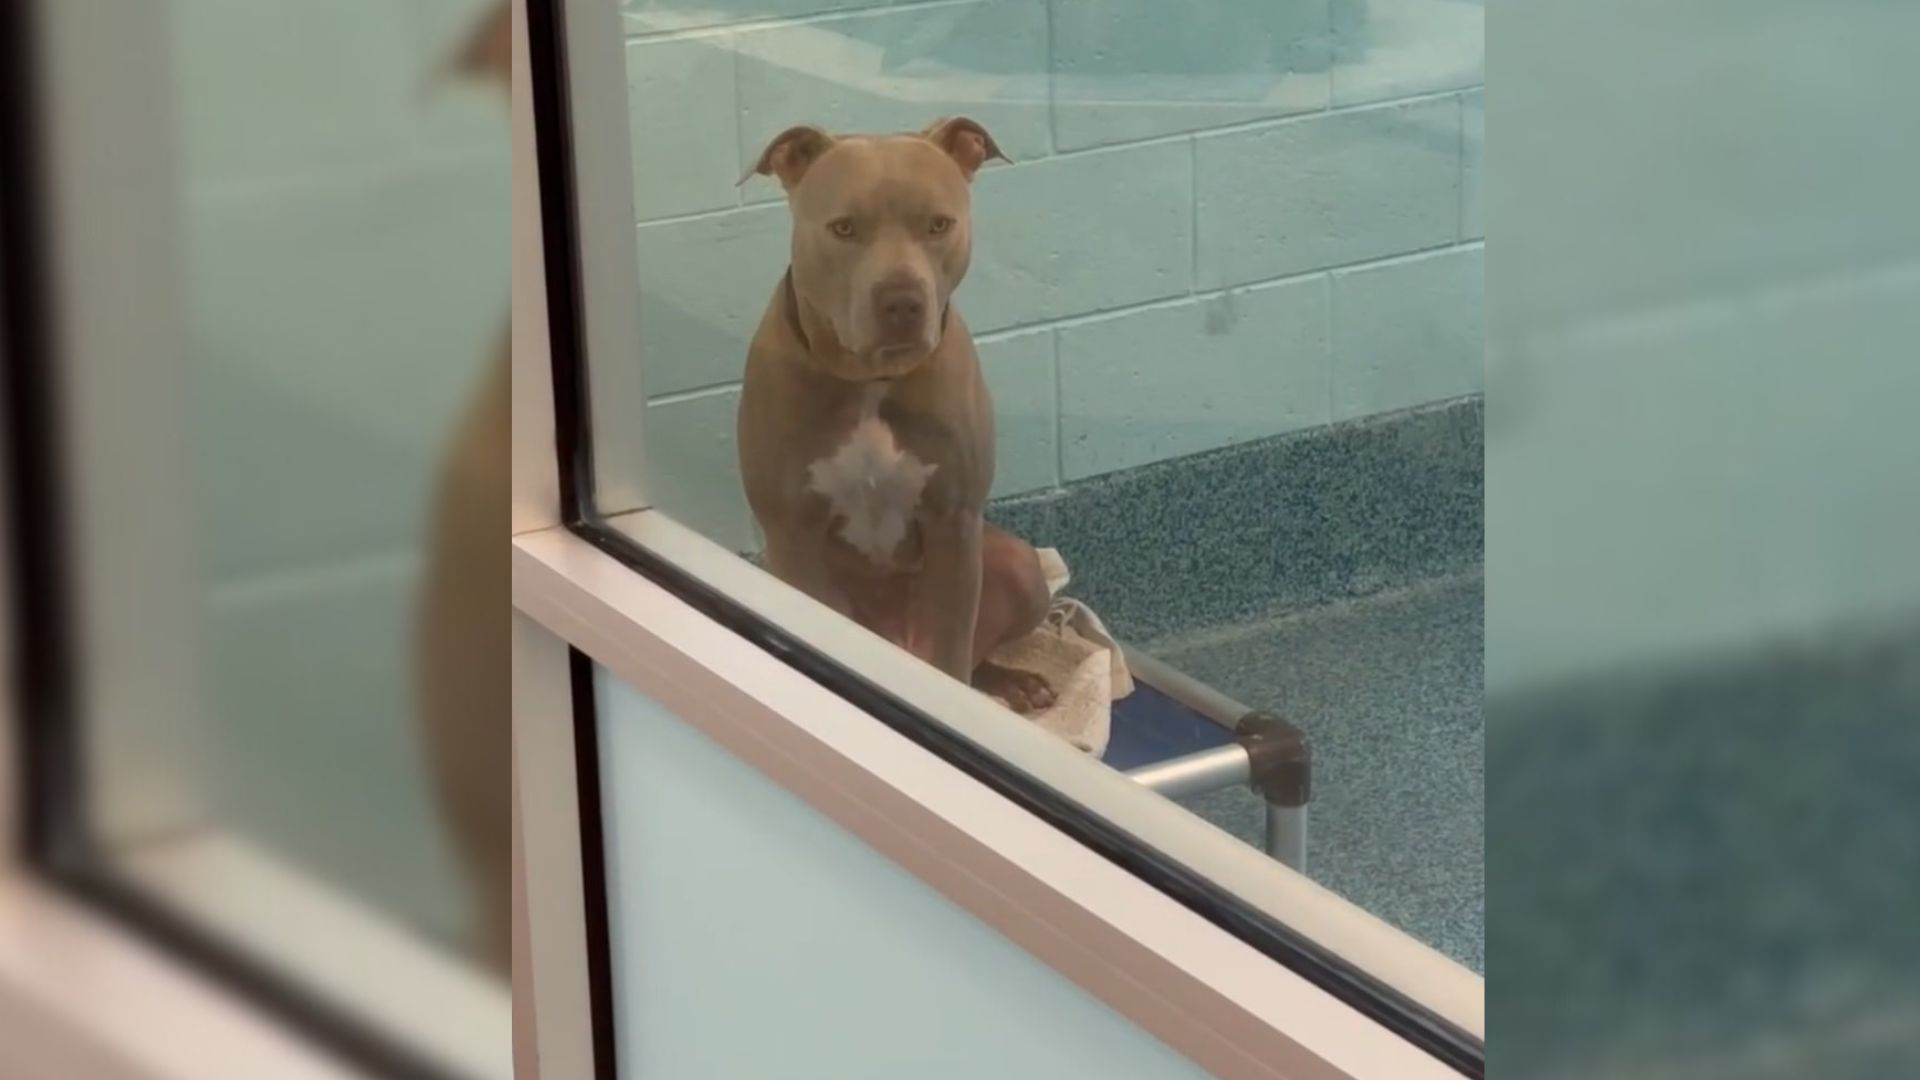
x=1287 y=834
x=1281 y=771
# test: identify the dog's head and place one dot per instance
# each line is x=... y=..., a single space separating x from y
x=881 y=234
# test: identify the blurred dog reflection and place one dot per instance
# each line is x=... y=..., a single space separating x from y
x=464 y=636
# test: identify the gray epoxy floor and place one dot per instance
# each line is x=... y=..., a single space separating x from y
x=1707 y=865
x=1388 y=689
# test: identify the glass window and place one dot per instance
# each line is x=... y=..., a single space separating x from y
x=1120 y=361
x=881 y=946
x=259 y=539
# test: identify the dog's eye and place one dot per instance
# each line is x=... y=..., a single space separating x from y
x=841 y=227
x=940 y=223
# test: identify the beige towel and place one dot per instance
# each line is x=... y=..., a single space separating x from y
x=1072 y=650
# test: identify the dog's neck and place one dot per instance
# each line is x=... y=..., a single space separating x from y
x=822 y=346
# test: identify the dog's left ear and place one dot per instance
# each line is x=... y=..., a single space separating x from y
x=965 y=141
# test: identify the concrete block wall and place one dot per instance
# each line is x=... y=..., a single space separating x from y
x=346 y=265
x=1226 y=220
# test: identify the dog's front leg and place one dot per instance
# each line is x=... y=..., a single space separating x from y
x=946 y=597
x=803 y=565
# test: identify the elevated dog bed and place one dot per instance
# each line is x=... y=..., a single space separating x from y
x=1167 y=731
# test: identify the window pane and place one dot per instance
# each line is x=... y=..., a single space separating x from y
x=346 y=249
x=1703 y=610
x=280 y=233
x=1184 y=301
x=905 y=983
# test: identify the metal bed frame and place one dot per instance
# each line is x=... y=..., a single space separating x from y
x=1264 y=752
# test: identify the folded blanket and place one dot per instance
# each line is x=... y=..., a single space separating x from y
x=1072 y=650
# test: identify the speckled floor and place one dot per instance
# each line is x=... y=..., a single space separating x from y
x=1389 y=690
x=1707 y=871
x=1331 y=576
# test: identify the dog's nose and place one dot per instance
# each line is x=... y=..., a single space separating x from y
x=901 y=308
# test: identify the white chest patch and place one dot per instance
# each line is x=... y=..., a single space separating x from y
x=871 y=484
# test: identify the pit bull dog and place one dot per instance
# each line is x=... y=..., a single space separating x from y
x=865 y=429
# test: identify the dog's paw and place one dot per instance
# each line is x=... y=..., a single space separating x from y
x=1022 y=691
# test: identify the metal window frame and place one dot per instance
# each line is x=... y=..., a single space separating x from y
x=584 y=586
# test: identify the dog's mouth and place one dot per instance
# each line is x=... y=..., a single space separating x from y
x=893 y=360
x=898 y=350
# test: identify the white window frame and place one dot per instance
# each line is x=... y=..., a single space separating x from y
x=1200 y=989
x=85 y=994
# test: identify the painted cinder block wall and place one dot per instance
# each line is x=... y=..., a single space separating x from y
x=1226 y=220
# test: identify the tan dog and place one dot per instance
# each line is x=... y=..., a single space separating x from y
x=866 y=433
x=464 y=633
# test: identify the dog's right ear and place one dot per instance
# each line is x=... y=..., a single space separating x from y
x=965 y=141
x=790 y=155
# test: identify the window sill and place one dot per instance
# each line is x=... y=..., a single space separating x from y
x=1203 y=991
x=82 y=999
x=409 y=989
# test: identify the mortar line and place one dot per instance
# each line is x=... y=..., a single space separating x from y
x=1333 y=60
x=1157 y=140
x=710 y=390
x=739 y=129
x=1053 y=90
x=701 y=215
x=686 y=33
x=359 y=174
x=1330 y=351
x=1052 y=326
x=1240 y=127
x=1193 y=215
x=1460 y=166
x=1059 y=415
x=254 y=584
x=1103 y=314
x=1264 y=122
